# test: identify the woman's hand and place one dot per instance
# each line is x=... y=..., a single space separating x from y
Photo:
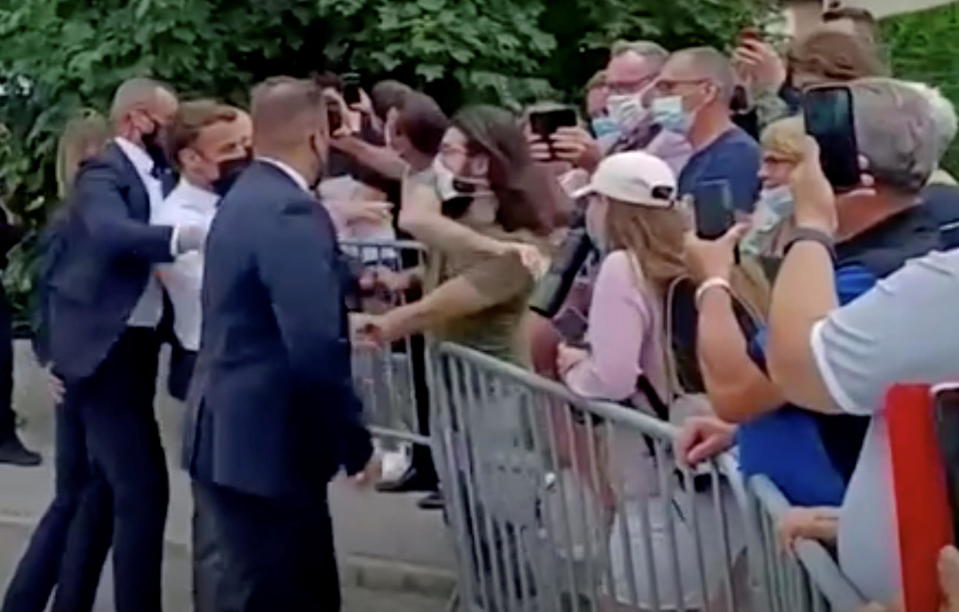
x=761 y=61
x=568 y=357
x=707 y=259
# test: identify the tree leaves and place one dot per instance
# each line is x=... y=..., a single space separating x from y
x=60 y=55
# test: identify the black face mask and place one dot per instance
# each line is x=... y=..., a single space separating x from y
x=229 y=171
x=152 y=145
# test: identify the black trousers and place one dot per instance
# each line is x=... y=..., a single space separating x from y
x=277 y=554
x=129 y=471
x=78 y=518
x=207 y=558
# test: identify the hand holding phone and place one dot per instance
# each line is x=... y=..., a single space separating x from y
x=829 y=118
x=545 y=123
x=713 y=207
x=351 y=88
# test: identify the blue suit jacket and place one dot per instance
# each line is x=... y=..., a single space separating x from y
x=98 y=262
x=274 y=412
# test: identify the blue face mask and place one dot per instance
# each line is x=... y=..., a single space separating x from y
x=670 y=115
x=604 y=126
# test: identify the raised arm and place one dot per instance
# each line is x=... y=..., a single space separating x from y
x=421 y=215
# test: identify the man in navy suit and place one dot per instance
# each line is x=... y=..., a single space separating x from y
x=275 y=412
x=104 y=303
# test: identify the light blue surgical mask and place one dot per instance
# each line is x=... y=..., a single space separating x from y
x=669 y=114
x=604 y=127
x=774 y=206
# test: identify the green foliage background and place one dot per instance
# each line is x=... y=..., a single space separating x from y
x=57 y=56
x=60 y=55
x=925 y=47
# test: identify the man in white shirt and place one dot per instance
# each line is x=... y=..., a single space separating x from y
x=209 y=144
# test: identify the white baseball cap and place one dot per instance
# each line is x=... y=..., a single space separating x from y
x=633 y=177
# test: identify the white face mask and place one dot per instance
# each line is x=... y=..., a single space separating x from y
x=775 y=204
x=450 y=186
x=627 y=110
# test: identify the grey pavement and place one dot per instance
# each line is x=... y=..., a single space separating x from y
x=393 y=557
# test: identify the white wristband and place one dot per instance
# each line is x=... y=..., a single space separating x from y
x=711 y=283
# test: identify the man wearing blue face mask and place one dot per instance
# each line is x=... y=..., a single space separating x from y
x=691 y=98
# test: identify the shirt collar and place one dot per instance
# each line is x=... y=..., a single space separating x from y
x=195 y=197
x=137 y=156
x=293 y=174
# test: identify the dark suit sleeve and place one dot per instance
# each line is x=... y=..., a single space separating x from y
x=99 y=198
x=299 y=263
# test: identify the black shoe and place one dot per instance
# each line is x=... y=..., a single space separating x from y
x=411 y=480
x=13 y=452
x=433 y=501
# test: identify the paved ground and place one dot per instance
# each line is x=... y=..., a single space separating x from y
x=394 y=557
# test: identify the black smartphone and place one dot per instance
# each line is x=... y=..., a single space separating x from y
x=713 y=206
x=946 y=406
x=545 y=123
x=351 y=88
x=828 y=113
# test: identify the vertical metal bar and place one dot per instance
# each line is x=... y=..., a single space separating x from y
x=549 y=555
x=503 y=520
x=650 y=557
x=571 y=575
x=598 y=482
x=581 y=499
x=666 y=496
x=697 y=538
x=476 y=424
x=723 y=529
x=458 y=383
x=625 y=539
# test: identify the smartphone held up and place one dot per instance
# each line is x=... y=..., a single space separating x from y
x=829 y=117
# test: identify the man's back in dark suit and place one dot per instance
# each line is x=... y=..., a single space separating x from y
x=276 y=416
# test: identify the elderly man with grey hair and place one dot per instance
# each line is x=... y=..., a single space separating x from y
x=691 y=99
x=868 y=234
x=839 y=358
x=941 y=195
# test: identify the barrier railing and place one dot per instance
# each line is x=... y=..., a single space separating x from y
x=807 y=579
x=559 y=503
x=390 y=381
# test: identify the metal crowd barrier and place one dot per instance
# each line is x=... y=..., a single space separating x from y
x=391 y=381
x=808 y=580
x=562 y=504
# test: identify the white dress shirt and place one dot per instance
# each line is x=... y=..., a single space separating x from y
x=149 y=309
x=187 y=205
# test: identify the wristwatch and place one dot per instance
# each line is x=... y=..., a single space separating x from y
x=809 y=234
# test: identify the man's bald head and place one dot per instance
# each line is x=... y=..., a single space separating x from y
x=286 y=113
x=141 y=94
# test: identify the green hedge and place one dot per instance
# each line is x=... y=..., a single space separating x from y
x=925 y=47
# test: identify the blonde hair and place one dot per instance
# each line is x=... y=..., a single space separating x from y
x=655 y=237
x=83 y=136
x=785 y=138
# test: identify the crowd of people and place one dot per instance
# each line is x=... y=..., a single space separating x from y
x=214 y=229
